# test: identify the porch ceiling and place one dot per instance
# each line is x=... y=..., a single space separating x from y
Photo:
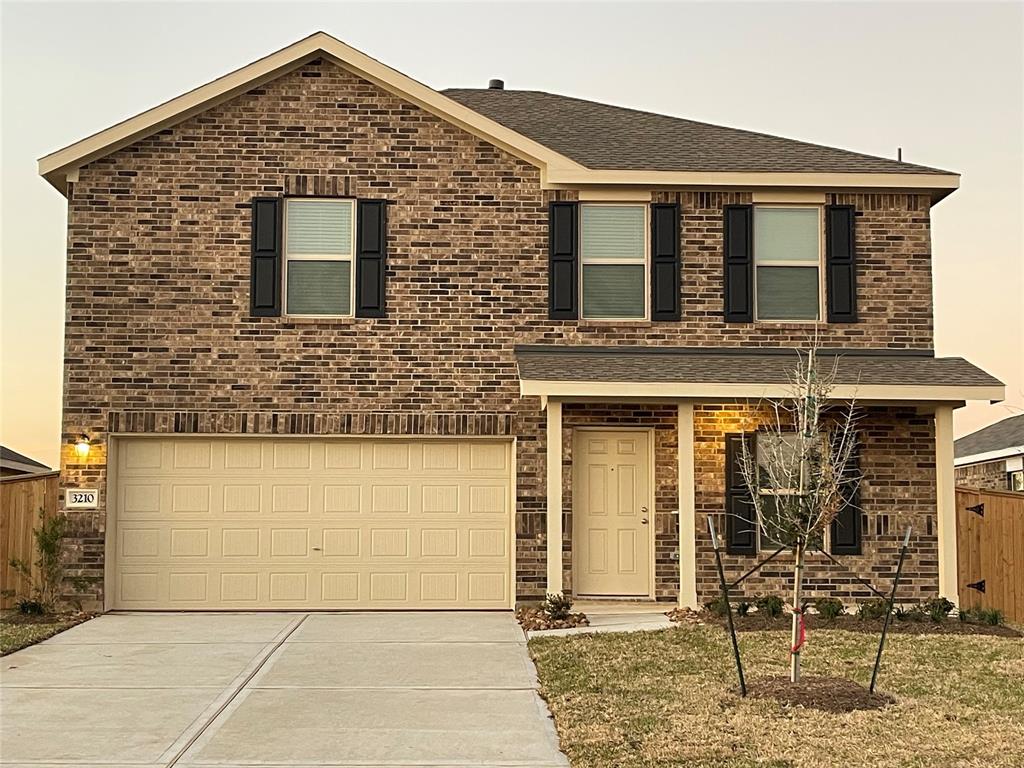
x=564 y=371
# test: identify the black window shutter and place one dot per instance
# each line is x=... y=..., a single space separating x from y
x=740 y=516
x=846 y=526
x=840 y=264
x=738 y=237
x=265 y=265
x=371 y=257
x=665 y=269
x=563 y=261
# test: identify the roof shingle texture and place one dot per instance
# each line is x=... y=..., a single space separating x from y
x=667 y=366
x=1008 y=433
x=603 y=136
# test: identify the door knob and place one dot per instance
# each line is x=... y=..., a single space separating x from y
x=643 y=521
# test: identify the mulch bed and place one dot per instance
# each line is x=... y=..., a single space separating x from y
x=532 y=619
x=829 y=694
x=757 y=623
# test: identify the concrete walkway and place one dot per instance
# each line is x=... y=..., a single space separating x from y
x=277 y=689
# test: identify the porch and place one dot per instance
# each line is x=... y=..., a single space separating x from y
x=662 y=418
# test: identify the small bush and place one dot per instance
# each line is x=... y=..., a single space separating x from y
x=937 y=608
x=990 y=616
x=875 y=608
x=31 y=607
x=829 y=607
x=911 y=613
x=965 y=615
x=717 y=607
x=556 y=607
x=770 y=605
x=742 y=608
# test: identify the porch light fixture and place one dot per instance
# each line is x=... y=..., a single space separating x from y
x=82 y=446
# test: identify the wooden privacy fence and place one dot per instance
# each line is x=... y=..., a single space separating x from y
x=23 y=499
x=990 y=551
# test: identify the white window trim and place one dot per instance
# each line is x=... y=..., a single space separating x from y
x=794 y=263
x=630 y=262
x=351 y=258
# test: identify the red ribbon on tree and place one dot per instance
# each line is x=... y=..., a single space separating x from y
x=801 y=632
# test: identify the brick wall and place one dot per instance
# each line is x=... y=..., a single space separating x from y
x=988 y=476
x=158 y=275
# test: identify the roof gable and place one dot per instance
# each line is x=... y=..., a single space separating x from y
x=60 y=166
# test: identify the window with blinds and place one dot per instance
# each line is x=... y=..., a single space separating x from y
x=319 y=246
x=787 y=261
x=613 y=253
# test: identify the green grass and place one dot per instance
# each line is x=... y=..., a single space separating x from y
x=17 y=631
x=669 y=699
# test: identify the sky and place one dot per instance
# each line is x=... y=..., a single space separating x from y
x=944 y=81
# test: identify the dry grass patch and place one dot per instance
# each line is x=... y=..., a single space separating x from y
x=669 y=699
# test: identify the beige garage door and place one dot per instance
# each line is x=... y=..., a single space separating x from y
x=294 y=523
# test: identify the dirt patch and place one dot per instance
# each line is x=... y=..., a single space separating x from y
x=829 y=694
x=759 y=623
x=532 y=619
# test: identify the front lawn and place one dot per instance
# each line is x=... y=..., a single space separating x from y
x=670 y=698
x=19 y=631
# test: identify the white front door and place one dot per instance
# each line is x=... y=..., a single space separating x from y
x=612 y=513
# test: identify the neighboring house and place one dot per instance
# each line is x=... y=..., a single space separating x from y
x=13 y=463
x=339 y=340
x=992 y=458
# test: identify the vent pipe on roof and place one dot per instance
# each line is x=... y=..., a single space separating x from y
x=496 y=85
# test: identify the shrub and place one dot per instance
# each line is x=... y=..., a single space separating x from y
x=937 y=608
x=911 y=613
x=991 y=616
x=874 y=608
x=742 y=608
x=717 y=607
x=965 y=615
x=829 y=607
x=770 y=605
x=45 y=584
x=556 y=607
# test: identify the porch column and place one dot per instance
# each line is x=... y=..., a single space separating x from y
x=554 y=509
x=945 y=503
x=687 y=510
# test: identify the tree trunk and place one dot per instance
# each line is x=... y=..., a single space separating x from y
x=798 y=579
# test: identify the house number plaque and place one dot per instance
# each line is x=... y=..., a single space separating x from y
x=83 y=498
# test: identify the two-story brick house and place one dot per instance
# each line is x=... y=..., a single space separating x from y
x=337 y=340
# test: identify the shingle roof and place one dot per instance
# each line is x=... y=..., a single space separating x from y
x=603 y=136
x=1008 y=433
x=6 y=455
x=738 y=366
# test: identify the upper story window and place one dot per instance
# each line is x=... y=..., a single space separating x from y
x=613 y=255
x=1015 y=480
x=319 y=243
x=787 y=263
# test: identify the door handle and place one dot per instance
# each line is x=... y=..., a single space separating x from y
x=643 y=521
x=316 y=549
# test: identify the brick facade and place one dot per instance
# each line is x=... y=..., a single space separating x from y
x=987 y=476
x=158 y=335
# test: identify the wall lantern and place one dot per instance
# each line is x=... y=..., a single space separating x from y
x=82 y=446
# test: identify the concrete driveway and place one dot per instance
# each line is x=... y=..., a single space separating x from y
x=277 y=689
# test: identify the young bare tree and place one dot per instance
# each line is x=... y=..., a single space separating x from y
x=800 y=471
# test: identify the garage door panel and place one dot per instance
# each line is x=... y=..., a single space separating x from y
x=258 y=523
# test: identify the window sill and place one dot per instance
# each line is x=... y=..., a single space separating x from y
x=321 y=320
